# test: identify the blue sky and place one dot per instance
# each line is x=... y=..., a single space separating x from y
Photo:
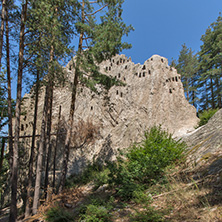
x=162 y=26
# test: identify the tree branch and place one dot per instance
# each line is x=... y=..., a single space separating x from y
x=97 y=10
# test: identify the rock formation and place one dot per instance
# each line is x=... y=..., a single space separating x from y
x=206 y=142
x=153 y=94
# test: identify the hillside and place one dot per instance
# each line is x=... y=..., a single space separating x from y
x=188 y=191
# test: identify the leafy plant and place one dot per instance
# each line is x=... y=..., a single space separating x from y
x=57 y=214
x=91 y=172
x=95 y=213
x=148 y=215
x=205 y=116
x=101 y=178
x=98 y=210
x=144 y=164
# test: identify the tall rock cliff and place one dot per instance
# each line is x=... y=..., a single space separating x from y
x=153 y=94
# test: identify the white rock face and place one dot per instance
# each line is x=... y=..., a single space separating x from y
x=153 y=95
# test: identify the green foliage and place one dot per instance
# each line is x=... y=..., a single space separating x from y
x=145 y=162
x=95 y=213
x=58 y=214
x=3 y=102
x=210 y=66
x=98 y=210
x=93 y=172
x=141 y=197
x=206 y=115
x=101 y=178
x=188 y=68
x=148 y=215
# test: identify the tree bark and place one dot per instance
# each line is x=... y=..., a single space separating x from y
x=212 y=94
x=219 y=104
x=72 y=107
x=10 y=134
x=30 y=175
x=2 y=154
x=55 y=152
x=42 y=141
x=13 y=207
x=48 y=138
x=40 y=155
x=187 y=89
x=2 y=30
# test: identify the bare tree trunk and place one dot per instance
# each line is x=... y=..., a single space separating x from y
x=187 y=89
x=13 y=207
x=2 y=153
x=10 y=135
x=42 y=142
x=48 y=138
x=2 y=30
x=219 y=104
x=72 y=107
x=40 y=155
x=55 y=152
x=30 y=175
x=212 y=94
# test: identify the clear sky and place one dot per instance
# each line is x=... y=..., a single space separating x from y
x=162 y=26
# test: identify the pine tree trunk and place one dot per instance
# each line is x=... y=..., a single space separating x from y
x=13 y=207
x=72 y=107
x=48 y=138
x=30 y=175
x=42 y=142
x=219 y=104
x=40 y=154
x=187 y=90
x=207 y=99
x=55 y=152
x=2 y=153
x=10 y=135
x=212 y=94
x=2 y=30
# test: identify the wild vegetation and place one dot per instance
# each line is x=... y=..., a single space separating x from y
x=44 y=37
x=174 y=193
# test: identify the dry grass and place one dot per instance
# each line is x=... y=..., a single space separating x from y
x=67 y=199
x=192 y=195
x=188 y=194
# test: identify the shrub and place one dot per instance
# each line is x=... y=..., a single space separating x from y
x=57 y=214
x=148 y=215
x=89 y=174
x=95 y=213
x=205 y=116
x=145 y=162
x=101 y=178
x=97 y=210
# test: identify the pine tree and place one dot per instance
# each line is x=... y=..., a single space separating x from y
x=210 y=57
x=97 y=42
x=54 y=26
x=13 y=207
x=188 y=68
x=2 y=30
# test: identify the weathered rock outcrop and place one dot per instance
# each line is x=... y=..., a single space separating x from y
x=153 y=94
x=206 y=141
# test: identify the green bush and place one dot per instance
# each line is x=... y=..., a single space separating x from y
x=97 y=210
x=145 y=163
x=205 y=116
x=148 y=215
x=91 y=173
x=95 y=213
x=101 y=178
x=58 y=214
